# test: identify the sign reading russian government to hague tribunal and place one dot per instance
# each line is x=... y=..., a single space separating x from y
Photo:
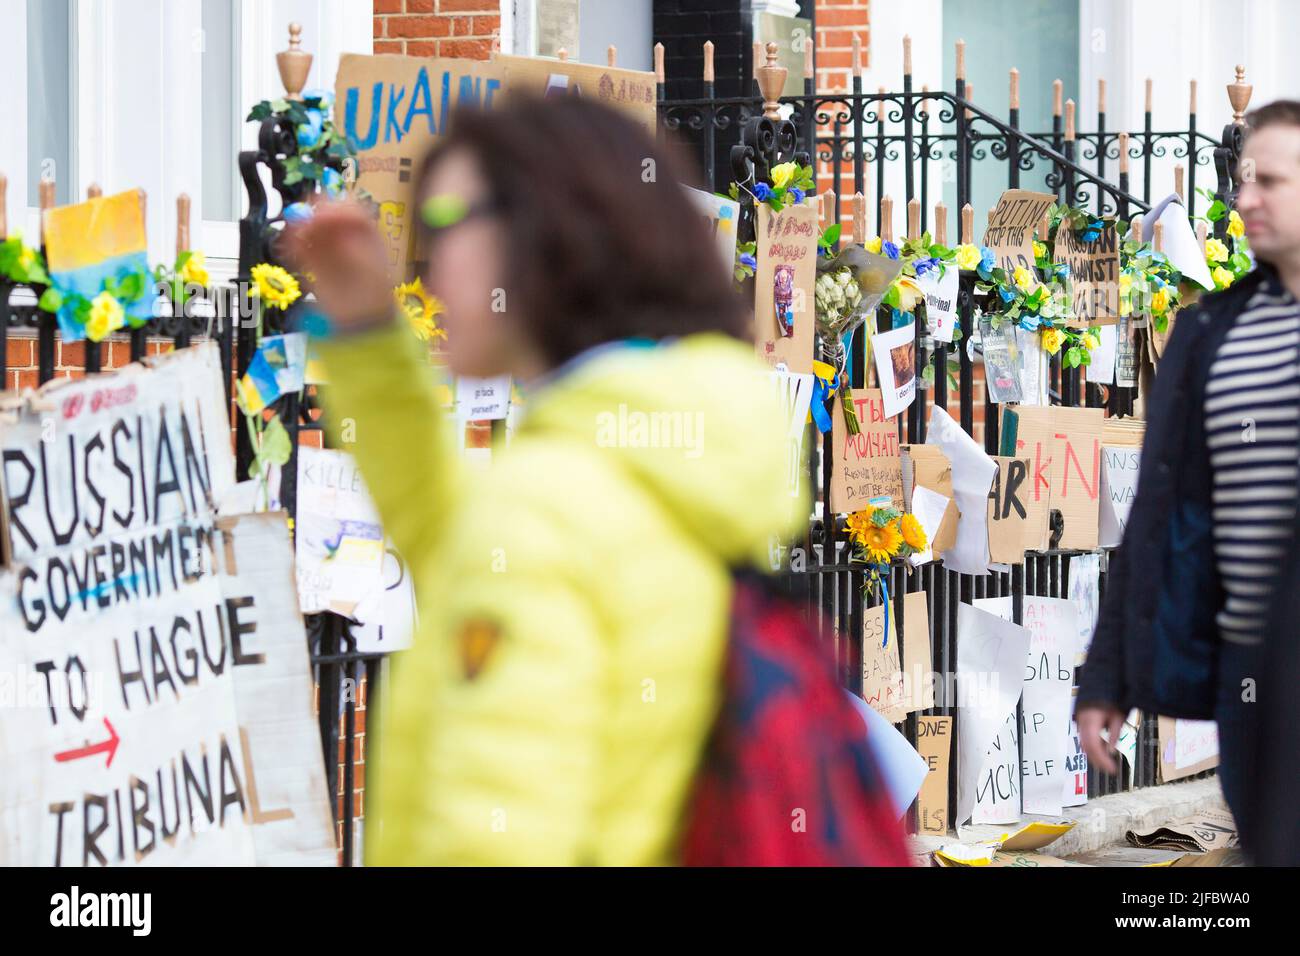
x=159 y=698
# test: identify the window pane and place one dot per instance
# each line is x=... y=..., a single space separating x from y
x=49 y=98
x=220 y=122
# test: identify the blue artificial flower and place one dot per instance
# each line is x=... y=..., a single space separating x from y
x=1007 y=295
x=297 y=212
x=1091 y=233
x=1029 y=322
x=925 y=265
x=796 y=195
x=332 y=181
x=1063 y=270
x=748 y=260
x=762 y=192
x=889 y=249
x=309 y=133
x=988 y=261
x=326 y=97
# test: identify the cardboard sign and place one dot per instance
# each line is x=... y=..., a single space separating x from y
x=896 y=360
x=1015 y=518
x=1010 y=232
x=168 y=713
x=866 y=465
x=1094 y=273
x=787 y=270
x=882 y=672
x=392 y=108
x=925 y=466
x=632 y=91
x=1119 y=478
x=1063 y=446
x=794 y=391
x=1186 y=747
x=918 y=666
x=934 y=744
x=1076 y=768
x=1204 y=831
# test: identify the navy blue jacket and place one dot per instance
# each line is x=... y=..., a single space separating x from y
x=1156 y=644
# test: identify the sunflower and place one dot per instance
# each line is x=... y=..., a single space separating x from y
x=912 y=532
x=880 y=542
x=275 y=286
x=419 y=308
x=858 y=522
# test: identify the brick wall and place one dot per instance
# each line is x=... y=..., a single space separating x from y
x=69 y=360
x=462 y=28
x=838 y=21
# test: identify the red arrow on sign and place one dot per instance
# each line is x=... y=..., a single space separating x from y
x=108 y=746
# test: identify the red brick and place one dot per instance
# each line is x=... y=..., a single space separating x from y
x=421 y=47
x=20 y=379
x=388 y=46
x=842 y=17
x=417 y=27
x=20 y=353
x=420 y=6
x=467 y=6
x=388 y=6
x=486 y=26
x=470 y=49
x=379 y=24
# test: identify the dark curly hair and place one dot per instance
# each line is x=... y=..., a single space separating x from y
x=604 y=243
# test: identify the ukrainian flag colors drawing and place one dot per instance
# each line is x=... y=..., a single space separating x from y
x=89 y=243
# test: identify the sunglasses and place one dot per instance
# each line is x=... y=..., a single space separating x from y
x=441 y=212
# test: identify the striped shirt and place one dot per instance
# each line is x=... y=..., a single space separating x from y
x=1252 y=428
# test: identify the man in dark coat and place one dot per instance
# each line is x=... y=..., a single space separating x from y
x=1184 y=622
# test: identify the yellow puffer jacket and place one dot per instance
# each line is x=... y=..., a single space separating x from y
x=573 y=597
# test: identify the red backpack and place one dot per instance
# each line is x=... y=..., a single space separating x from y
x=788 y=778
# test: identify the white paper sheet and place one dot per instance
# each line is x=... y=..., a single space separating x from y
x=895 y=355
x=928 y=508
x=901 y=766
x=972 y=477
x=1120 y=465
x=1102 y=368
x=482 y=399
x=1178 y=241
x=940 y=302
x=1045 y=716
x=991 y=657
x=1085 y=572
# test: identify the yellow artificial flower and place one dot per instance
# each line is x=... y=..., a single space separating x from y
x=1091 y=341
x=873 y=245
x=1040 y=249
x=1023 y=278
x=783 y=175
x=909 y=294
x=275 y=286
x=195 y=270
x=1222 y=277
x=26 y=256
x=880 y=542
x=106 y=316
x=913 y=533
x=420 y=308
x=1236 y=228
x=968 y=256
x=1125 y=290
x=1215 y=251
x=1053 y=339
x=1160 y=302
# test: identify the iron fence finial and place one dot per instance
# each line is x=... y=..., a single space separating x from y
x=294 y=64
x=1239 y=96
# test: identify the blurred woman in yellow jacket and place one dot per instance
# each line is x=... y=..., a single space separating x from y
x=573 y=597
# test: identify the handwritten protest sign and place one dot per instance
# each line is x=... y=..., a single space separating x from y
x=991 y=659
x=632 y=91
x=895 y=360
x=1119 y=478
x=1094 y=273
x=722 y=217
x=391 y=108
x=882 y=672
x=794 y=391
x=1186 y=747
x=1045 y=714
x=168 y=713
x=1010 y=232
x=783 y=286
x=934 y=744
x=1076 y=768
x=940 y=302
x=866 y=465
x=1063 y=446
x=1015 y=517
x=918 y=665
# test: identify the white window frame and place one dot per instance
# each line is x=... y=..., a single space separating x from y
x=135 y=88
